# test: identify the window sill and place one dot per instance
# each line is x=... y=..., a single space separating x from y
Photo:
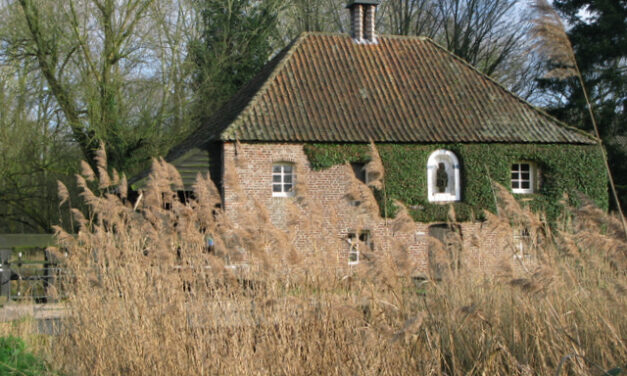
x=523 y=191
x=282 y=194
x=444 y=198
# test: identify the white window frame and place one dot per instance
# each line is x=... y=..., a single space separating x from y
x=282 y=176
x=451 y=164
x=522 y=243
x=355 y=242
x=516 y=168
x=353 y=251
x=353 y=247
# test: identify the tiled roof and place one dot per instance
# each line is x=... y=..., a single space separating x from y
x=327 y=88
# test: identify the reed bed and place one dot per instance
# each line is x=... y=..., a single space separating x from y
x=148 y=297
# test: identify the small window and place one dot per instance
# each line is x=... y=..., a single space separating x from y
x=523 y=177
x=353 y=249
x=443 y=177
x=283 y=180
x=522 y=244
x=357 y=243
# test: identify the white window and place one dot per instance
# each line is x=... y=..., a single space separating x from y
x=522 y=244
x=355 y=244
x=523 y=177
x=443 y=181
x=353 y=249
x=283 y=180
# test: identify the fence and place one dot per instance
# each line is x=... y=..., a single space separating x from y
x=27 y=270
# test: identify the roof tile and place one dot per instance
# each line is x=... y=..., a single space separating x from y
x=327 y=88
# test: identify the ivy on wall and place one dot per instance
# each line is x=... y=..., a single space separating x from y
x=563 y=169
x=323 y=156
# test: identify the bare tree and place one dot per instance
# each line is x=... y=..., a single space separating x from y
x=489 y=34
x=97 y=58
x=480 y=31
x=304 y=15
x=77 y=73
x=412 y=17
x=35 y=152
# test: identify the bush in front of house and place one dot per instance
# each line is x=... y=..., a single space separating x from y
x=15 y=359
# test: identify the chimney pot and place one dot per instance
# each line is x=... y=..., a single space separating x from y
x=363 y=20
x=357 y=22
x=369 y=23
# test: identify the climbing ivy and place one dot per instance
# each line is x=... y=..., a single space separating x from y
x=563 y=169
x=323 y=156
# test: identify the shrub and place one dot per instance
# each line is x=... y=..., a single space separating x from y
x=16 y=360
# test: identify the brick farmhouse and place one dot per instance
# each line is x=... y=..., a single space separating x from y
x=434 y=118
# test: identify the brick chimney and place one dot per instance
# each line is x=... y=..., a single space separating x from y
x=363 y=20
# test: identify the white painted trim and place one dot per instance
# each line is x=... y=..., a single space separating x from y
x=532 y=178
x=353 y=248
x=451 y=164
x=283 y=193
x=353 y=251
x=522 y=243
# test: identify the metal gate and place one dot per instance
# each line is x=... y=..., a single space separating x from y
x=27 y=270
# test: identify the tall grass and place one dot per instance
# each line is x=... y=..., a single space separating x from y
x=148 y=297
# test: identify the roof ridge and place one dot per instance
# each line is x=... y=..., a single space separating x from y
x=346 y=35
x=509 y=92
x=293 y=46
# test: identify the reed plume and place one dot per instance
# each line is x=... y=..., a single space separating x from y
x=552 y=42
x=149 y=294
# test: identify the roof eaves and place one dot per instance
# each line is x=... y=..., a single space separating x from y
x=140 y=180
x=516 y=97
x=230 y=133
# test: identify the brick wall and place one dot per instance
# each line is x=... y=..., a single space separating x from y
x=320 y=213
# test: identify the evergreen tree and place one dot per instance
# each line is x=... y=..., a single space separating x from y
x=598 y=33
x=236 y=39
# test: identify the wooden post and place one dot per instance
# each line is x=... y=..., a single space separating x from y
x=50 y=278
x=5 y=273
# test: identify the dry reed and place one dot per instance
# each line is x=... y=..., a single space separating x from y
x=148 y=296
x=552 y=42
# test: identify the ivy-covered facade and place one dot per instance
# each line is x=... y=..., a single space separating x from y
x=562 y=169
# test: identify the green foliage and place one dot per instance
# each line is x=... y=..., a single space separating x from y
x=235 y=43
x=324 y=156
x=116 y=91
x=598 y=33
x=569 y=169
x=34 y=155
x=614 y=372
x=16 y=360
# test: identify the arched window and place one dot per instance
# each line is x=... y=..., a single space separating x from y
x=283 y=179
x=443 y=181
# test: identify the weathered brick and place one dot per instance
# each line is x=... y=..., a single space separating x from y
x=328 y=188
